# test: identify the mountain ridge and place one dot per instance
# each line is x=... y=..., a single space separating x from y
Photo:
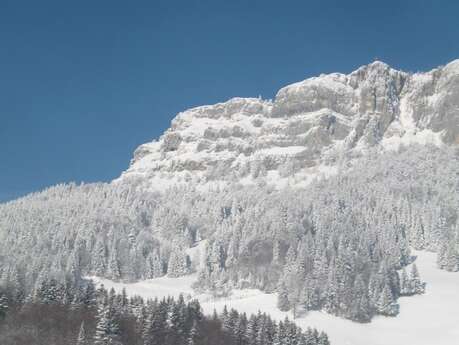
x=305 y=130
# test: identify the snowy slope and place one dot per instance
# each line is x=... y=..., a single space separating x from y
x=429 y=319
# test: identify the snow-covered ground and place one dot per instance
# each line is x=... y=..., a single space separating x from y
x=151 y=288
x=430 y=319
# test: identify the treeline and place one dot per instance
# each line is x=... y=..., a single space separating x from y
x=56 y=316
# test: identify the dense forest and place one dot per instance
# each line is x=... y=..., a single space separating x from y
x=340 y=244
x=61 y=314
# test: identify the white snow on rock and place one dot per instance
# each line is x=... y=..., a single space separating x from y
x=309 y=123
x=429 y=319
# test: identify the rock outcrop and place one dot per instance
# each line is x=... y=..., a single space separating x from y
x=305 y=130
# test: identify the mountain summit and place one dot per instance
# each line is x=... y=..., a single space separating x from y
x=306 y=128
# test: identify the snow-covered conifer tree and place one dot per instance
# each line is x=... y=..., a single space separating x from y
x=3 y=306
x=101 y=337
x=100 y=258
x=178 y=263
x=360 y=306
x=417 y=286
x=193 y=336
x=323 y=339
x=405 y=284
x=82 y=339
x=386 y=304
x=282 y=299
x=113 y=269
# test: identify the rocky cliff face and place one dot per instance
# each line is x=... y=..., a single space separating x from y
x=305 y=130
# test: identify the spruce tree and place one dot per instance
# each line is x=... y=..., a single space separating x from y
x=386 y=304
x=177 y=323
x=283 y=302
x=107 y=327
x=82 y=340
x=178 y=264
x=417 y=286
x=300 y=338
x=99 y=263
x=451 y=257
x=360 y=306
x=241 y=330
x=3 y=306
x=156 y=327
x=405 y=284
x=113 y=264
x=101 y=336
x=323 y=339
x=252 y=330
x=193 y=335
x=154 y=267
x=311 y=337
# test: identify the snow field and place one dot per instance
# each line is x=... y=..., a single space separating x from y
x=429 y=319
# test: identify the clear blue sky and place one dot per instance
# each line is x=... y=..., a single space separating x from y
x=83 y=83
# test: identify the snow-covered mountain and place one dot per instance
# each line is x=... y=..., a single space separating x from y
x=305 y=130
x=340 y=245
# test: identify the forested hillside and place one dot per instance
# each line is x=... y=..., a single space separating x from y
x=339 y=244
x=56 y=315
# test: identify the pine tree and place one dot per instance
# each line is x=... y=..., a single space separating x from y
x=49 y=292
x=73 y=266
x=215 y=315
x=331 y=291
x=154 y=267
x=262 y=334
x=216 y=259
x=300 y=338
x=113 y=264
x=323 y=339
x=241 y=330
x=3 y=306
x=89 y=295
x=280 y=333
x=99 y=263
x=442 y=260
x=405 y=284
x=310 y=296
x=386 y=304
x=224 y=316
x=177 y=323
x=360 y=306
x=193 y=335
x=276 y=253
x=101 y=337
x=312 y=336
x=252 y=330
x=291 y=332
x=417 y=287
x=178 y=263
x=232 y=321
x=282 y=299
x=156 y=326
x=107 y=327
x=82 y=340
x=451 y=257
